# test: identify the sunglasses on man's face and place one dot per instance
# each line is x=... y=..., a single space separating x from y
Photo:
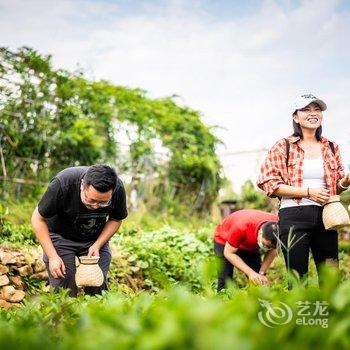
x=87 y=201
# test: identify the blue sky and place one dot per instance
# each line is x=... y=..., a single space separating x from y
x=221 y=10
x=241 y=63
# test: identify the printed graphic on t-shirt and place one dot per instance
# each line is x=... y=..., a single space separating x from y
x=90 y=224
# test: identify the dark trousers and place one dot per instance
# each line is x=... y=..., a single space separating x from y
x=251 y=258
x=308 y=233
x=68 y=250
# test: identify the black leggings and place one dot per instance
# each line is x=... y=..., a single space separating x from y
x=251 y=258
x=309 y=233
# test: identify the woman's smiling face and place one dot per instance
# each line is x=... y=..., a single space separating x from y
x=309 y=117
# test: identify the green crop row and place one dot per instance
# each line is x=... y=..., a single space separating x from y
x=176 y=318
x=154 y=260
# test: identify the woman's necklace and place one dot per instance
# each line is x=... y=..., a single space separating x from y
x=312 y=150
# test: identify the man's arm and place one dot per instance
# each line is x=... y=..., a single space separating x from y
x=235 y=260
x=111 y=227
x=56 y=265
x=268 y=259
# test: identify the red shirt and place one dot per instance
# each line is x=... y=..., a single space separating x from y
x=240 y=228
x=274 y=170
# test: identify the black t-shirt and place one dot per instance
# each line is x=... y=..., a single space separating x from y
x=66 y=214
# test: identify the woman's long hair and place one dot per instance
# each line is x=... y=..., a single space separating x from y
x=299 y=132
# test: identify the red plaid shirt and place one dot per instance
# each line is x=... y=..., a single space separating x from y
x=274 y=172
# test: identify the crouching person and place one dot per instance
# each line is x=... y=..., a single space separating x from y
x=240 y=239
x=82 y=208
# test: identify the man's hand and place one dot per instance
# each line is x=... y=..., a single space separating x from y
x=56 y=267
x=257 y=278
x=94 y=250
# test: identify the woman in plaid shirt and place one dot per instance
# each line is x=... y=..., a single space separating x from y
x=304 y=170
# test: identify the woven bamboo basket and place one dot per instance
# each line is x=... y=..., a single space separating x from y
x=334 y=215
x=88 y=273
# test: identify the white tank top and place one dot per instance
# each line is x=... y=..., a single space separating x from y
x=313 y=177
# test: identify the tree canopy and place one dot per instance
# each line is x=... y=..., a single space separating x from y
x=52 y=118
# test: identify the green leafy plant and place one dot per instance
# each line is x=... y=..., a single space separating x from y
x=165 y=256
x=179 y=319
x=17 y=234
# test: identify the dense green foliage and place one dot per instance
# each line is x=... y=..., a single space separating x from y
x=164 y=257
x=51 y=119
x=151 y=254
x=177 y=319
x=17 y=234
x=162 y=296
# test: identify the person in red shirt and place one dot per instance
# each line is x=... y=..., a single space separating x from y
x=238 y=241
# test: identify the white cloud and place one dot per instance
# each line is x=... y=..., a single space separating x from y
x=242 y=73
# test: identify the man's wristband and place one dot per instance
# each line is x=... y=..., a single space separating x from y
x=262 y=273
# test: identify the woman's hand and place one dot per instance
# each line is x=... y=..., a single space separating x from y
x=319 y=195
x=345 y=181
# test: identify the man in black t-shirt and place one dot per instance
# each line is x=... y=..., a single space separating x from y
x=82 y=208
